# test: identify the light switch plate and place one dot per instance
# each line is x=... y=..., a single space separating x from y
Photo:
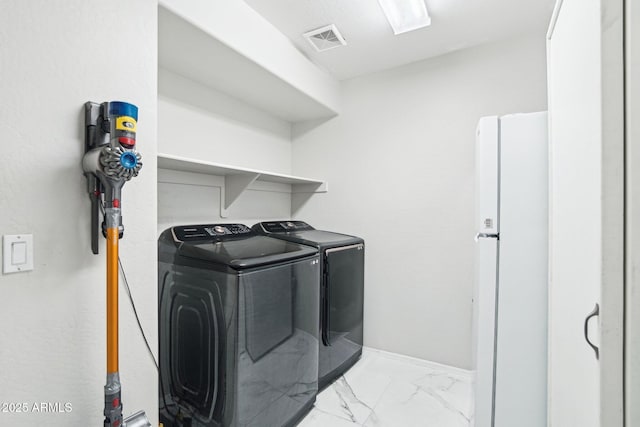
x=17 y=253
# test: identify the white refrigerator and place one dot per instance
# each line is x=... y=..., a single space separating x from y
x=510 y=288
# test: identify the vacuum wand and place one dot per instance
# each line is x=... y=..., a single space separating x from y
x=109 y=161
x=112 y=399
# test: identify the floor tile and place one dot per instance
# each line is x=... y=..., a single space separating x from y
x=389 y=390
x=318 y=418
x=408 y=405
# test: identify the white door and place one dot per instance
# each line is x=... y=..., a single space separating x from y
x=586 y=213
x=632 y=338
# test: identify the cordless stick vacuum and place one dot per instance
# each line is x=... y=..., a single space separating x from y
x=109 y=161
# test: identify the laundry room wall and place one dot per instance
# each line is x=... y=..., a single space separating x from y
x=201 y=123
x=400 y=163
x=55 y=56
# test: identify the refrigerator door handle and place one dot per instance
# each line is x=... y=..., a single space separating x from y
x=486 y=236
x=595 y=312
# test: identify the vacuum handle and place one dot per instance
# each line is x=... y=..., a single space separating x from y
x=95 y=217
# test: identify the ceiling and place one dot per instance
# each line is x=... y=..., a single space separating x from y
x=371 y=44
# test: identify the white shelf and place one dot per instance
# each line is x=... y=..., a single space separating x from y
x=238 y=179
x=192 y=51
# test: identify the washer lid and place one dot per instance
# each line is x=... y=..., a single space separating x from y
x=240 y=249
x=305 y=234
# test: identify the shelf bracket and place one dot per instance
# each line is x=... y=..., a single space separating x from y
x=320 y=187
x=300 y=194
x=234 y=186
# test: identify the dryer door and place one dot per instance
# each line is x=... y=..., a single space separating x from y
x=343 y=294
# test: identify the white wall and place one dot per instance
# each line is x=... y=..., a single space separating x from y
x=192 y=198
x=201 y=123
x=400 y=163
x=55 y=56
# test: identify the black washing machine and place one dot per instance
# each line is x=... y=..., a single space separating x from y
x=238 y=327
x=342 y=292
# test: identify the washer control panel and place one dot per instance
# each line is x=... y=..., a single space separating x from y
x=212 y=232
x=285 y=226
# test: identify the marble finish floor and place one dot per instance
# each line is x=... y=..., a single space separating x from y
x=389 y=390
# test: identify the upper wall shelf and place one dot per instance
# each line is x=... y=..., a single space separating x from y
x=291 y=88
x=237 y=179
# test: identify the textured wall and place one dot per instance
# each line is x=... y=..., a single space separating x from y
x=54 y=56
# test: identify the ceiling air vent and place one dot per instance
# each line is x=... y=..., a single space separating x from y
x=325 y=38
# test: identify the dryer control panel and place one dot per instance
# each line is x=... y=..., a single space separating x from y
x=285 y=226
x=212 y=232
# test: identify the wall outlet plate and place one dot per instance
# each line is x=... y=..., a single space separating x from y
x=17 y=253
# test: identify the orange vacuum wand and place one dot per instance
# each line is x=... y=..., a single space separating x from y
x=112 y=300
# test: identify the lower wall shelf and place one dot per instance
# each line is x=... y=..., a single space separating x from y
x=237 y=180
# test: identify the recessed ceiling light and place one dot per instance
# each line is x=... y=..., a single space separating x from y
x=405 y=15
x=325 y=38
